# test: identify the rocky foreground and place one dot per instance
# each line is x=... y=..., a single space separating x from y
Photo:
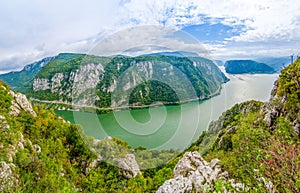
x=193 y=173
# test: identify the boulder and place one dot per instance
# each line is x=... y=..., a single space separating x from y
x=129 y=166
x=20 y=103
x=178 y=184
x=193 y=173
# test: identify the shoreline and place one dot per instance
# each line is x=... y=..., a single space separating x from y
x=67 y=106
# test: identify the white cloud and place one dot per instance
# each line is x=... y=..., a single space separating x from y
x=149 y=38
x=34 y=29
x=264 y=22
x=56 y=25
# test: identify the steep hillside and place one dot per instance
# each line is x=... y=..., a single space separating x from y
x=247 y=66
x=256 y=144
x=42 y=153
x=109 y=81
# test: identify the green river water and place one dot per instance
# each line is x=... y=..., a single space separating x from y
x=175 y=127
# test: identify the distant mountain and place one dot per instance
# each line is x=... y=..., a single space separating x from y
x=278 y=63
x=94 y=79
x=22 y=80
x=177 y=54
x=219 y=62
x=247 y=66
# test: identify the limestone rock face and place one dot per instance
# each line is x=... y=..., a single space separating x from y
x=129 y=166
x=20 y=103
x=193 y=173
x=276 y=107
x=178 y=184
x=3 y=124
x=41 y=84
x=7 y=179
x=56 y=82
x=96 y=162
x=73 y=84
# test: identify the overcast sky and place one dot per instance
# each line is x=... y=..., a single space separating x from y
x=227 y=29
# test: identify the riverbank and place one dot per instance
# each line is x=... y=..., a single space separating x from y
x=68 y=106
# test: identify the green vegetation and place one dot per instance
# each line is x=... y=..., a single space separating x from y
x=289 y=90
x=249 y=148
x=5 y=98
x=54 y=158
x=247 y=66
x=152 y=91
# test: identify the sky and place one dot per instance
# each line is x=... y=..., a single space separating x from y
x=226 y=29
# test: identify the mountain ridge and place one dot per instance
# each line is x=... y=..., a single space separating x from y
x=100 y=77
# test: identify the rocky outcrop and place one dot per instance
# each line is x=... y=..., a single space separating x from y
x=276 y=108
x=178 y=184
x=56 y=82
x=270 y=110
x=229 y=130
x=20 y=103
x=8 y=173
x=129 y=166
x=41 y=84
x=193 y=173
x=94 y=164
x=3 y=124
x=78 y=85
x=7 y=177
x=139 y=72
x=86 y=77
x=114 y=154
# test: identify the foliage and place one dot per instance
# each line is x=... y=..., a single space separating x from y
x=5 y=98
x=149 y=92
x=248 y=149
x=289 y=89
x=61 y=164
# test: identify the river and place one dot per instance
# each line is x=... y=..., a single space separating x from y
x=174 y=127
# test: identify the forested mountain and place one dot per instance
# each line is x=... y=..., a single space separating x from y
x=247 y=66
x=104 y=81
